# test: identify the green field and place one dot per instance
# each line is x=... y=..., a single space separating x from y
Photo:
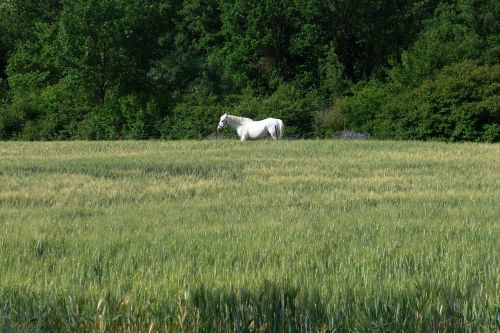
x=220 y=236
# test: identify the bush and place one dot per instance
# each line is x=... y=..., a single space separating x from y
x=330 y=121
x=295 y=108
x=140 y=118
x=2 y=125
x=127 y=117
x=48 y=113
x=191 y=121
x=445 y=88
x=99 y=124
x=103 y=121
x=198 y=119
x=491 y=133
x=460 y=104
x=288 y=103
x=360 y=112
x=17 y=114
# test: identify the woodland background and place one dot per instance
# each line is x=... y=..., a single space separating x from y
x=140 y=69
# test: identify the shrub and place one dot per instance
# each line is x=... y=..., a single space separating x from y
x=140 y=119
x=358 y=112
x=288 y=103
x=295 y=108
x=191 y=121
x=329 y=121
x=98 y=125
x=491 y=133
x=459 y=104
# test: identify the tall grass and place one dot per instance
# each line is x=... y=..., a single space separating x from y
x=313 y=236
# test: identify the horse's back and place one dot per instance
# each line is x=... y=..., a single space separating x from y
x=259 y=129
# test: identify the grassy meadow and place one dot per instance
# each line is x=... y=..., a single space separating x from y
x=221 y=236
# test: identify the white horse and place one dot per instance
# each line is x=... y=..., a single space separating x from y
x=250 y=129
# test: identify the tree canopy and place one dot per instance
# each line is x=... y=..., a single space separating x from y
x=118 y=69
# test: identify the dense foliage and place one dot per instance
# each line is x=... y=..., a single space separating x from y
x=114 y=69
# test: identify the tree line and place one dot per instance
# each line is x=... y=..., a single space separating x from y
x=140 y=69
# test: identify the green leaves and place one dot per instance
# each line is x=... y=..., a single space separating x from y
x=445 y=87
x=130 y=66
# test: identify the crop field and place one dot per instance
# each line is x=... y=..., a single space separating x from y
x=223 y=236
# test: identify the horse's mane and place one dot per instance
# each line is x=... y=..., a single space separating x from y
x=241 y=120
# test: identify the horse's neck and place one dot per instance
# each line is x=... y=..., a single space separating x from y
x=235 y=121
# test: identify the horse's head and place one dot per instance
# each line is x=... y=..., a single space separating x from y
x=222 y=122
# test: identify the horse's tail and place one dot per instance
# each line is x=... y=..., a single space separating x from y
x=281 y=129
x=278 y=129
